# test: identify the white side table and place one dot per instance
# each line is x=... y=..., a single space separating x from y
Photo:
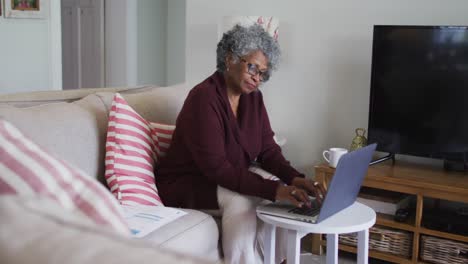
x=356 y=218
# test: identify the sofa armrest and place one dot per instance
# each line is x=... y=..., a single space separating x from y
x=38 y=231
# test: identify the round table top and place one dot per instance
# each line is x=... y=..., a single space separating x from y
x=354 y=218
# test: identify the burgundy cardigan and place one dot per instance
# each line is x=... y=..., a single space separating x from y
x=211 y=147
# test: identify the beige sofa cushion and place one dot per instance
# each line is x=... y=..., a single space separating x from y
x=160 y=104
x=73 y=131
x=186 y=233
x=38 y=231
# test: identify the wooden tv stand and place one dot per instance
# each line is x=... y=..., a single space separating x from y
x=420 y=181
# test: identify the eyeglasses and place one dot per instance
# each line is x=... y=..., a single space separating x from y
x=253 y=70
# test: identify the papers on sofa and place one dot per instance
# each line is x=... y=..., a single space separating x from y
x=143 y=220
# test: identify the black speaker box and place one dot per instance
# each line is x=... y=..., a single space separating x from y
x=446 y=221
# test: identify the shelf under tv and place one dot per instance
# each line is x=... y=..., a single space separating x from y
x=422 y=181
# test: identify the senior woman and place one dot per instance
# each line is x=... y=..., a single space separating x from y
x=221 y=130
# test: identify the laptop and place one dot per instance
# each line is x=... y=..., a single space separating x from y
x=342 y=191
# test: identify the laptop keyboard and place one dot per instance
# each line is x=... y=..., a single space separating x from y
x=312 y=211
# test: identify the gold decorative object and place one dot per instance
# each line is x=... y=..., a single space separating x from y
x=359 y=140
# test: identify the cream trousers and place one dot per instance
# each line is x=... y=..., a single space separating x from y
x=242 y=232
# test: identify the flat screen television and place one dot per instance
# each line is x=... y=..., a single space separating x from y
x=419 y=91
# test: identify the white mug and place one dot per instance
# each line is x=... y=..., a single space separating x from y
x=334 y=155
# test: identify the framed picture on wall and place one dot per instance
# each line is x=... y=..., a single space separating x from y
x=26 y=8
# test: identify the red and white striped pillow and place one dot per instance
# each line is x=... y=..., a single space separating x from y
x=133 y=147
x=28 y=170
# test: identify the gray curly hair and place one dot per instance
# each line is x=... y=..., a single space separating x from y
x=241 y=41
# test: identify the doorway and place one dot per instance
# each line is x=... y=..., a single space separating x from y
x=116 y=43
x=82 y=43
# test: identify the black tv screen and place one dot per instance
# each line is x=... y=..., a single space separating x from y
x=419 y=91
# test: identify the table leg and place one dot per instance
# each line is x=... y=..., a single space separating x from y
x=332 y=248
x=317 y=248
x=269 y=243
x=294 y=246
x=363 y=247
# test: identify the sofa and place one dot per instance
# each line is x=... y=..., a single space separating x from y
x=72 y=124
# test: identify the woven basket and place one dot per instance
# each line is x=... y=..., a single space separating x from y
x=439 y=250
x=386 y=240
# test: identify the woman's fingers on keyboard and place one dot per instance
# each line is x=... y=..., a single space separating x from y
x=319 y=192
x=302 y=197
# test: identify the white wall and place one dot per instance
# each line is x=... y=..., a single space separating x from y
x=29 y=60
x=161 y=42
x=152 y=35
x=145 y=42
x=176 y=32
x=320 y=93
x=115 y=42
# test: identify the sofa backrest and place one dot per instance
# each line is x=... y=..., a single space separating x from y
x=76 y=131
x=26 y=99
x=160 y=104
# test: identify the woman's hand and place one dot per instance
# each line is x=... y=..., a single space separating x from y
x=313 y=188
x=296 y=196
